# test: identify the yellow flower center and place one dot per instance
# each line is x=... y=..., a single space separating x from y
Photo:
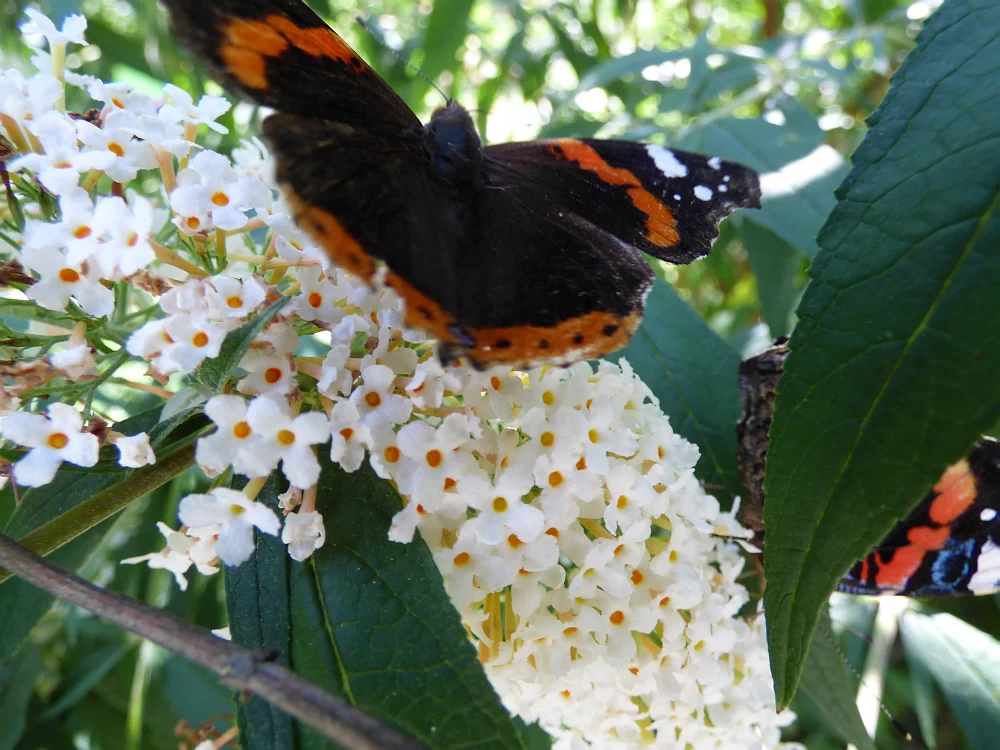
x=500 y=505
x=286 y=437
x=547 y=439
x=548 y=398
x=594 y=436
x=241 y=430
x=236 y=510
x=220 y=199
x=58 y=440
x=235 y=302
x=116 y=149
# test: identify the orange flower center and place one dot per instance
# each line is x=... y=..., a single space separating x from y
x=555 y=479
x=373 y=399
x=513 y=541
x=622 y=502
x=392 y=454
x=495 y=382
x=272 y=375
x=193 y=222
x=133 y=239
x=116 y=149
x=434 y=458
x=449 y=484
x=82 y=233
x=347 y=433
x=241 y=430
x=69 y=275
x=286 y=437
x=235 y=301
x=220 y=199
x=462 y=558
x=617 y=617
x=58 y=440
x=315 y=299
x=200 y=339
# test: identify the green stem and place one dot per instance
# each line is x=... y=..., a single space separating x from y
x=59 y=531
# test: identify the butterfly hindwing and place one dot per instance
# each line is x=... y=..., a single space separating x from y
x=280 y=54
x=665 y=202
x=948 y=544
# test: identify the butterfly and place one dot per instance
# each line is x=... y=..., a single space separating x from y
x=949 y=545
x=516 y=254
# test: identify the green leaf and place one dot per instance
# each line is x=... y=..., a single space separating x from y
x=829 y=691
x=865 y=419
x=924 y=697
x=257 y=601
x=692 y=370
x=214 y=373
x=776 y=265
x=91 y=666
x=965 y=662
x=17 y=684
x=371 y=622
x=798 y=173
x=599 y=76
x=447 y=27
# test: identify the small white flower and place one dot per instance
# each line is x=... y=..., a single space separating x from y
x=77 y=362
x=60 y=166
x=72 y=30
x=376 y=396
x=205 y=112
x=290 y=439
x=335 y=377
x=51 y=440
x=501 y=510
x=116 y=138
x=175 y=556
x=126 y=229
x=269 y=373
x=349 y=434
x=234 y=442
x=232 y=298
x=62 y=280
x=317 y=298
x=194 y=340
x=304 y=533
x=134 y=451
x=237 y=515
x=209 y=186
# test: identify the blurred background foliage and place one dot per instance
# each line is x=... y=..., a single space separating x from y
x=781 y=85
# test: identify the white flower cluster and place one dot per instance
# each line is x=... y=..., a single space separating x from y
x=585 y=559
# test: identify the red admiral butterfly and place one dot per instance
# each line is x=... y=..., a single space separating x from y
x=949 y=545
x=518 y=254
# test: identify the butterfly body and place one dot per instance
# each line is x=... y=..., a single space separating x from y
x=515 y=254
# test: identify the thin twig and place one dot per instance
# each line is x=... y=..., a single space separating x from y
x=236 y=666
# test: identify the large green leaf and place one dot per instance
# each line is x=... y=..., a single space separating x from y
x=776 y=264
x=257 y=602
x=798 y=173
x=892 y=371
x=692 y=370
x=965 y=662
x=17 y=684
x=371 y=622
x=828 y=690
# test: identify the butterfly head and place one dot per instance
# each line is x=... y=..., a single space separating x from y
x=454 y=142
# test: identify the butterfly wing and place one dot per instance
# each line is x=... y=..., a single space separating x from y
x=664 y=202
x=950 y=544
x=280 y=54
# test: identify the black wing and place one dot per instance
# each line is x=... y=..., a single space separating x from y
x=664 y=202
x=280 y=54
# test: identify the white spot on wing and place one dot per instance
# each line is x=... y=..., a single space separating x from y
x=722 y=188
x=703 y=193
x=987 y=576
x=715 y=162
x=666 y=161
x=987 y=515
x=676 y=197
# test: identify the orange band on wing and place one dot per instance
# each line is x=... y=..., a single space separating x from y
x=421 y=311
x=956 y=493
x=248 y=44
x=329 y=233
x=583 y=337
x=661 y=226
x=907 y=560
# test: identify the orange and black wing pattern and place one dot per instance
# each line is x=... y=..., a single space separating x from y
x=280 y=54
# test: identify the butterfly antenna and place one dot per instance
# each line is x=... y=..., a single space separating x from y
x=873 y=685
x=395 y=53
